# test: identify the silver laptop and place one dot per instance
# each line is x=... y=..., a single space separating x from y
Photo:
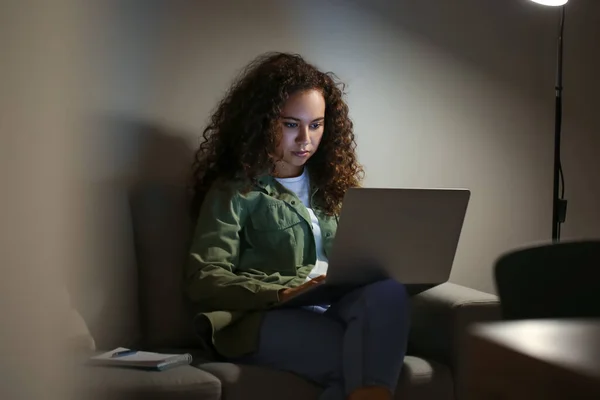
x=410 y=235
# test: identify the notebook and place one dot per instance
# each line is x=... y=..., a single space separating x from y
x=123 y=357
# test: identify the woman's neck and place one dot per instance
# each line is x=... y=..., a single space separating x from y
x=290 y=172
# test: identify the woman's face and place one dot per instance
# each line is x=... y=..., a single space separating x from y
x=301 y=120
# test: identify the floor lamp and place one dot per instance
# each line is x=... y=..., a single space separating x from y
x=559 y=204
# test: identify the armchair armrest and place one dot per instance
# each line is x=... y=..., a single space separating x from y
x=440 y=320
x=441 y=316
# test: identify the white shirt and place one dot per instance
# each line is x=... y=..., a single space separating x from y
x=301 y=187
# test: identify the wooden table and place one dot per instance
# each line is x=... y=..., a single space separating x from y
x=537 y=359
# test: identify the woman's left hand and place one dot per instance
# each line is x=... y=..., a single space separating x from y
x=286 y=294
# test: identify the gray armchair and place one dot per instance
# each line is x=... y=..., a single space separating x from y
x=159 y=234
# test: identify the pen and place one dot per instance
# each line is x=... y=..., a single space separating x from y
x=123 y=353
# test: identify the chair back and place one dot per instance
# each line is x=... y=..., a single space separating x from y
x=558 y=280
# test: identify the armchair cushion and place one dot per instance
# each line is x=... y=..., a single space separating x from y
x=113 y=383
x=420 y=379
x=162 y=227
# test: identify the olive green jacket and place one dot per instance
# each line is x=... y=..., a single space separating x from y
x=247 y=246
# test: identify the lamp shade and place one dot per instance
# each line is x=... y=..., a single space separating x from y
x=551 y=2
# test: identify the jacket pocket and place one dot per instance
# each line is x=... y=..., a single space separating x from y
x=275 y=217
x=272 y=240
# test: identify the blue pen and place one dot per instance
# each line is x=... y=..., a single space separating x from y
x=123 y=353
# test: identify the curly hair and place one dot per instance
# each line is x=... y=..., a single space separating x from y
x=244 y=131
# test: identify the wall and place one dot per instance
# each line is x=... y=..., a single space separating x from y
x=121 y=50
x=582 y=124
x=41 y=112
x=441 y=95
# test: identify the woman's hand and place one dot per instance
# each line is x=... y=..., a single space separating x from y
x=286 y=294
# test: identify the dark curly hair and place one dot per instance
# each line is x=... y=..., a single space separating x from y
x=244 y=130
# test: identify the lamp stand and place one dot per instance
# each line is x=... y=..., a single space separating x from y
x=559 y=204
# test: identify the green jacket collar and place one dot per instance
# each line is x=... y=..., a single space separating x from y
x=270 y=185
x=267 y=183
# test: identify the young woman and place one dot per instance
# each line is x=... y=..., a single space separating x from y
x=270 y=176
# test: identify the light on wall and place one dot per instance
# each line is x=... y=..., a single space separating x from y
x=551 y=2
x=559 y=204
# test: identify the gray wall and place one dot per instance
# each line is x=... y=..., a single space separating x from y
x=442 y=94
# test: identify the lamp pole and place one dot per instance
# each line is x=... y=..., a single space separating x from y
x=559 y=204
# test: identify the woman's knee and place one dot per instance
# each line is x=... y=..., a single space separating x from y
x=388 y=292
x=302 y=342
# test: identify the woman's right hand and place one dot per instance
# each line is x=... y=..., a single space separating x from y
x=288 y=293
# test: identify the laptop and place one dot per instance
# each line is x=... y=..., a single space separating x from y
x=407 y=234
